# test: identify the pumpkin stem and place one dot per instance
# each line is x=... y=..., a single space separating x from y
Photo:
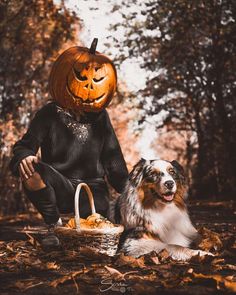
x=93 y=46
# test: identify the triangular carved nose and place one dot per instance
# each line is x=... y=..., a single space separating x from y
x=87 y=86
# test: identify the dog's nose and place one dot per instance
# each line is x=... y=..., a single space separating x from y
x=169 y=184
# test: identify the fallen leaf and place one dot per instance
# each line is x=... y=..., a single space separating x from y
x=218 y=260
x=225 y=267
x=220 y=281
x=10 y=248
x=155 y=260
x=19 y=284
x=26 y=284
x=52 y=265
x=173 y=282
x=210 y=240
x=76 y=284
x=190 y=270
x=65 y=278
x=164 y=256
x=116 y=274
x=201 y=259
x=33 y=241
x=130 y=260
x=33 y=285
x=151 y=258
x=229 y=266
x=92 y=254
x=186 y=280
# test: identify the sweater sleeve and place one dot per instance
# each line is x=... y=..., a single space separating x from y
x=112 y=158
x=29 y=144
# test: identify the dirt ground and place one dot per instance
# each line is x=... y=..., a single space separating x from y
x=26 y=269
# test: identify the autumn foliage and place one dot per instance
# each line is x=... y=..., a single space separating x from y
x=32 y=35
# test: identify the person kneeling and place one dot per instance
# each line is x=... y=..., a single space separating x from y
x=77 y=141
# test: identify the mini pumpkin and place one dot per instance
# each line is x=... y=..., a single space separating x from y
x=83 y=79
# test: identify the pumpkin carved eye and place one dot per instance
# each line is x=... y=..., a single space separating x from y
x=79 y=76
x=98 y=80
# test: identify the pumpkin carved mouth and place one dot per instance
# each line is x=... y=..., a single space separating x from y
x=87 y=101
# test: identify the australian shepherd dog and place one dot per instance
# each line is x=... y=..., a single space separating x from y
x=153 y=211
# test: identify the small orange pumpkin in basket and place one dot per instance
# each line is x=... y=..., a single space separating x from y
x=94 y=220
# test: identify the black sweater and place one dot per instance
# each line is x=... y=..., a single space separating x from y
x=84 y=148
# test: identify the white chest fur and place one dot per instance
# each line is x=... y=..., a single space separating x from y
x=171 y=224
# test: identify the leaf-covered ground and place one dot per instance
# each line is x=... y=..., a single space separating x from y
x=26 y=269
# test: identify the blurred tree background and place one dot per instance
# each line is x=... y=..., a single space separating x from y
x=32 y=33
x=187 y=50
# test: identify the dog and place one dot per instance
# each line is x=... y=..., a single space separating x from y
x=153 y=211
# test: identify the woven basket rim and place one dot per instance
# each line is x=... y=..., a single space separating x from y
x=118 y=228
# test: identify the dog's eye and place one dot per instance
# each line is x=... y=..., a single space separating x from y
x=172 y=172
x=153 y=177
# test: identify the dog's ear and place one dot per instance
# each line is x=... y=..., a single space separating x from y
x=137 y=173
x=180 y=170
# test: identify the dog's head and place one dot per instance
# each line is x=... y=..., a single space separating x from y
x=159 y=179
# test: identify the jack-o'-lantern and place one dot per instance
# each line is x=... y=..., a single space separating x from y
x=83 y=79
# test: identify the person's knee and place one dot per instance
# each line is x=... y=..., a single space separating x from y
x=34 y=183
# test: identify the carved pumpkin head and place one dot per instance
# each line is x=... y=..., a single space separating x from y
x=83 y=79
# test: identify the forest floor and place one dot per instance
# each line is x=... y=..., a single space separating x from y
x=26 y=269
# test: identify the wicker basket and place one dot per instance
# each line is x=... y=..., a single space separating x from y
x=102 y=240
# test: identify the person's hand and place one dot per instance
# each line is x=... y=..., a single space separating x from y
x=26 y=167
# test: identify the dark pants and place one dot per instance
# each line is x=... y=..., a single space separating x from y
x=58 y=195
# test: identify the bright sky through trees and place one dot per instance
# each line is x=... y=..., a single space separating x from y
x=96 y=18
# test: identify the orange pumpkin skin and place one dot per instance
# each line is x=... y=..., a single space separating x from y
x=82 y=81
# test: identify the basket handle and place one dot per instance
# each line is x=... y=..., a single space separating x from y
x=91 y=201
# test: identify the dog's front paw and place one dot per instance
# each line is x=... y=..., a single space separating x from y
x=181 y=256
x=137 y=247
x=187 y=254
x=131 y=248
x=202 y=253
